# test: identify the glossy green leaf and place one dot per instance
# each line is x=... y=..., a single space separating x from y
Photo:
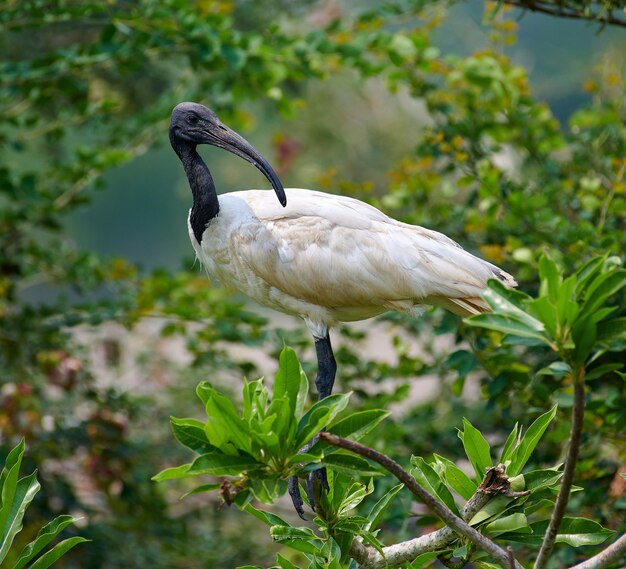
x=513 y=522
x=602 y=288
x=201 y=489
x=224 y=428
x=8 y=484
x=506 y=325
x=476 y=448
x=266 y=517
x=510 y=444
x=45 y=535
x=612 y=330
x=20 y=498
x=302 y=539
x=319 y=415
x=219 y=464
x=460 y=482
x=190 y=433
x=492 y=509
x=291 y=382
x=379 y=509
x=573 y=531
x=428 y=478
x=424 y=559
x=172 y=473
x=584 y=337
x=60 y=549
x=529 y=441
x=502 y=305
x=350 y=464
x=284 y=563
x=550 y=278
x=357 y=425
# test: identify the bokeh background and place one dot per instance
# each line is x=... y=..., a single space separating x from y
x=500 y=127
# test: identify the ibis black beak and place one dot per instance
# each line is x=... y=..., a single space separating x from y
x=223 y=137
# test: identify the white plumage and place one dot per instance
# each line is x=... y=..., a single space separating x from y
x=333 y=259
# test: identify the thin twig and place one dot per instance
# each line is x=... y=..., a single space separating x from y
x=563 y=13
x=614 y=552
x=569 y=469
x=459 y=526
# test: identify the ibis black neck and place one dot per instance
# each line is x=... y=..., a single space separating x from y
x=205 y=203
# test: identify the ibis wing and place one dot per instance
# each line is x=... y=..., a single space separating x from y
x=337 y=252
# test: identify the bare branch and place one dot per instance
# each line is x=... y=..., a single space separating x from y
x=410 y=549
x=458 y=525
x=566 y=12
x=614 y=552
x=569 y=469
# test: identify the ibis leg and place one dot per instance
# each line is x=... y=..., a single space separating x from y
x=324 y=381
x=326 y=367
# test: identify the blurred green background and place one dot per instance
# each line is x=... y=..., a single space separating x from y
x=503 y=129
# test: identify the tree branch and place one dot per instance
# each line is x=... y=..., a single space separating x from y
x=410 y=549
x=569 y=469
x=565 y=12
x=614 y=552
x=458 y=525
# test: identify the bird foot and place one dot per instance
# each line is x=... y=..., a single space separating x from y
x=317 y=481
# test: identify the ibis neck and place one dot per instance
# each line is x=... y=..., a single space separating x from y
x=205 y=203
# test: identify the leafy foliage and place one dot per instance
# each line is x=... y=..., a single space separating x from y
x=17 y=495
x=491 y=166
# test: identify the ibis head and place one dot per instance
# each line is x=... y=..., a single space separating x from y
x=192 y=124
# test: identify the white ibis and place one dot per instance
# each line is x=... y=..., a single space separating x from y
x=325 y=258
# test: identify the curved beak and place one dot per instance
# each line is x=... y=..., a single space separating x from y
x=224 y=137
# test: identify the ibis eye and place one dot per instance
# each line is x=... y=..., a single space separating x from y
x=192 y=119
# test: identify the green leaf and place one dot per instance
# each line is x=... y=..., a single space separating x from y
x=538 y=479
x=190 y=433
x=460 y=482
x=506 y=325
x=172 y=473
x=602 y=288
x=8 y=484
x=511 y=443
x=224 y=428
x=512 y=522
x=302 y=539
x=495 y=296
x=573 y=531
x=585 y=274
x=424 y=559
x=319 y=415
x=428 y=478
x=357 y=425
x=602 y=370
x=476 y=448
x=546 y=313
x=218 y=464
x=522 y=453
x=284 y=563
x=492 y=509
x=44 y=537
x=350 y=464
x=203 y=488
x=57 y=552
x=612 y=330
x=584 y=337
x=20 y=499
x=266 y=517
x=379 y=508
x=550 y=278
x=291 y=382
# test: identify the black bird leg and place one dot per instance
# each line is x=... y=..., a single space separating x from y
x=324 y=381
